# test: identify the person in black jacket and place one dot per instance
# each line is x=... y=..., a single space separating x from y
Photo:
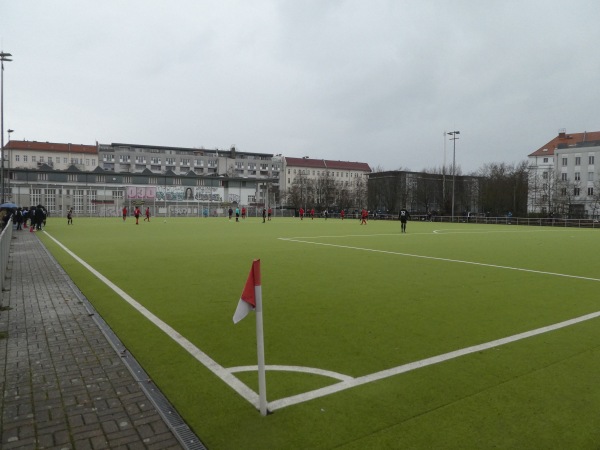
x=403 y=217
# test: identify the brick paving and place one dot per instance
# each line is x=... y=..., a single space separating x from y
x=64 y=385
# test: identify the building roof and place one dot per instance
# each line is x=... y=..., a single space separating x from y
x=51 y=147
x=327 y=164
x=566 y=140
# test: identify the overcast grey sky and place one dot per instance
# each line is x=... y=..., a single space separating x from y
x=376 y=81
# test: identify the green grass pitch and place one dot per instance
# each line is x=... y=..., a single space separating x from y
x=358 y=300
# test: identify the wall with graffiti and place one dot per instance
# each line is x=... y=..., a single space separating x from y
x=176 y=193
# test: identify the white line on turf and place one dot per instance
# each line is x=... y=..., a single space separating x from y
x=202 y=357
x=437 y=258
x=347 y=382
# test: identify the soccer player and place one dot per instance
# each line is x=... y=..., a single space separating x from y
x=403 y=217
x=269 y=212
x=342 y=214
x=363 y=216
x=136 y=213
x=301 y=213
x=124 y=213
x=147 y=214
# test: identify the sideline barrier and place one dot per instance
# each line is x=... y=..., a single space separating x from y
x=5 y=240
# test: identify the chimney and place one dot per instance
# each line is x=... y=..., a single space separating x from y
x=562 y=133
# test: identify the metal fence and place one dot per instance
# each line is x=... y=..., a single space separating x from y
x=5 y=240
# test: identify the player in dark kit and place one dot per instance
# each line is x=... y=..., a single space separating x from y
x=403 y=217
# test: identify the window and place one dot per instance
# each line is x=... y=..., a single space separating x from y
x=50 y=160
x=171 y=161
x=563 y=192
x=563 y=177
x=117 y=195
x=64 y=160
x=127 y=180
x=41 y=159
x=591 y=159
x=177 y=181
x=71 y=177
x=590 y=176
x=42 y=177
x=545 y=160
x=545 y=175
x=152 y=180
x=17 y=157
x=578 y=160
x=155 y=160
x=33 y=158
x=590 y=191
x=577 y=176
x=100 y=179
x=576 y=191
x=564 y=161
x=36 y=196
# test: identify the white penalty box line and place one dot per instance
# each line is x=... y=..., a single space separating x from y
x=436 y=258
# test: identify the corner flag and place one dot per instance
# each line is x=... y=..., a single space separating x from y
x=247 y=301
x=251 y=300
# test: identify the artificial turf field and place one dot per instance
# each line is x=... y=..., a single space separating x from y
x=362 y=302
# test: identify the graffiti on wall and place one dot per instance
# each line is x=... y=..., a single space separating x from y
x=188 y=194
x=141 y=192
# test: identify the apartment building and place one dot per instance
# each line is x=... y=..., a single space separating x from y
x=564 y=176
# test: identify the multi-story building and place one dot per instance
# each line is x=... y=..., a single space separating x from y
x=320 y=183
x=564 y=176
x=99 y=180
x=424 y=193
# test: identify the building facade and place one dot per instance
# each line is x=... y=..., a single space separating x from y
x=423 y=193
x=99 y=180
x=324 y=184
x=564 y=176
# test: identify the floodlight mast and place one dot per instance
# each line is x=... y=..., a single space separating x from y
x=453 y=139
x=3 y=57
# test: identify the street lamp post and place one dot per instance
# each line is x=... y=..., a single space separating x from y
x=453 y=139
x=9 y=157
x=3 y=57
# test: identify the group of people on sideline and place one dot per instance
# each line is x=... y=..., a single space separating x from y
x=35 y=216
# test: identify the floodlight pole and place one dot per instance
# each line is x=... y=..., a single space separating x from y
x=9 y=131
x=3 y=57
x=453 y=139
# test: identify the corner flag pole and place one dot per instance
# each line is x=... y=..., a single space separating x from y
x=260 y=342
x=251 y=300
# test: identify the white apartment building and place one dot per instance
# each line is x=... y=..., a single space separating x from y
x=564 y=176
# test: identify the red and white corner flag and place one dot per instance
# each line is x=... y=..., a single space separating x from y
x=251 y=300
x=247 y=301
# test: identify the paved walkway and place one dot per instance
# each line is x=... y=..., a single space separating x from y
x=65 y=383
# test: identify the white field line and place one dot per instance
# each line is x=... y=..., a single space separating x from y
x=203 y=358
x=346 y=382
x=436 y=258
